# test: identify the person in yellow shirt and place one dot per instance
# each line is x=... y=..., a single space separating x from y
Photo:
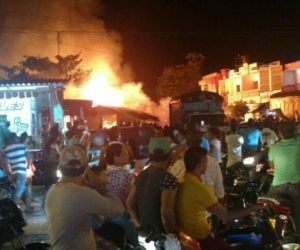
x=194 y=199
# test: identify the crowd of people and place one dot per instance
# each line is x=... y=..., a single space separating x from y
x=180 y=187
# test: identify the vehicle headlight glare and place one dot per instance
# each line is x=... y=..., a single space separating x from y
x=58 y=174
x=248 y=160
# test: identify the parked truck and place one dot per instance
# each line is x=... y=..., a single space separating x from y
x=202 y=107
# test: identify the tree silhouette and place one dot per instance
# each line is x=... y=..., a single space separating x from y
x=32 y=67
x=238 y=109
x=180 y=79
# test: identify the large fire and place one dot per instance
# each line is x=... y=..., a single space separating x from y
x=100 y=92
x=129 y=95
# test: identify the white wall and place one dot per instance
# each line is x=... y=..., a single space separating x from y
x=18 y=111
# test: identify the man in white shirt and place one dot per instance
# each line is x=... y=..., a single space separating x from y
x=213 y=175
x=234 y=146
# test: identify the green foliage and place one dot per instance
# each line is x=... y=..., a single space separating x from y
x=180 y=79
x=32 y=67
x=238 y=109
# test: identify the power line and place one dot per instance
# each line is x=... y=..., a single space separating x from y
x=73 y=45
x=31 y=30
x=159 y=33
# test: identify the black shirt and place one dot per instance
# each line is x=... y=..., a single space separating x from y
x=149 y=185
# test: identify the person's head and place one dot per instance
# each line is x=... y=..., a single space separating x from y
x=24 y=138
x=53 y=138
x=44 y=126
x=195 y=159
x=159 y=149
x=68 y=124
x=13 y=138
x=7 y=124
x=286 y=130
x=101 y=172
x=180 y=135
x=193 y=126
x=116 y=154
x=193 y=138
x=73 y=161
x=115 y=134
x=75 y=123
x=213 y=133
x=298 y=126
x=251 y=122
x=233 y=128
x=54 y=129
x=266 y=124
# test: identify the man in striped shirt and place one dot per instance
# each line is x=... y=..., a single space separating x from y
x=18 y=159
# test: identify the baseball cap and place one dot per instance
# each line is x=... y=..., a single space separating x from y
x=159 y=143
x=73 y=157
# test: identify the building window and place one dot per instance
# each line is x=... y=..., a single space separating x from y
x=255 y=84
x=238 y=88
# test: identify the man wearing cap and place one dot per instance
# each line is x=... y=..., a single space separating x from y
x=70 y=206
x=151 y=201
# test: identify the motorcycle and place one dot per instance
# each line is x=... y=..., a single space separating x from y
x=282 y=219
x=261 y=236
x=11 y=223
x=7 y=189
x=180 y=240
x=246 y=181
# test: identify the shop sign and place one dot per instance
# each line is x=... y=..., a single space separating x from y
x=11 y=104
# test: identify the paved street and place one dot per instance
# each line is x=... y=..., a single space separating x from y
x=36 y=229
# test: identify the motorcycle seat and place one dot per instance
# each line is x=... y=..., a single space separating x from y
x=278 y=201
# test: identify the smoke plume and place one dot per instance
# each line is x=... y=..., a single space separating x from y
x=50 y=27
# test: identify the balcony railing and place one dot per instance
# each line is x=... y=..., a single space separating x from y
x=291 y=87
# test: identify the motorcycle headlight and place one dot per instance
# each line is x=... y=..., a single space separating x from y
x=248 y=160
x=58 y=174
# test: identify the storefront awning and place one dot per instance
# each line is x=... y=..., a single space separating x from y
x=261 y=108
x=29 y=88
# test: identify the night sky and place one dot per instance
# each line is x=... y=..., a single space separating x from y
x=160 y=33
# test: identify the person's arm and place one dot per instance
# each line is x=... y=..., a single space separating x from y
x=107 y=205
x=281 y=115
x=271 y=169
x=228 y=216
x=132 y=207
x=218 y=182
x=167 y=209
x=100 y=201
x=213 y=148
x=102 y=161
x=95 y=182
x=260 y=139
x=56 y=148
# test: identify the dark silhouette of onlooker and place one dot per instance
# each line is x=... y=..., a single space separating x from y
x=5 y=132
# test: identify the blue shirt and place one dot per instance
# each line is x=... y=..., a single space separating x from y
x=205 y=144
x=16 y=154
x=252 y=137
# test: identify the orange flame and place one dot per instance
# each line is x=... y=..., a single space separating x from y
x=130 y=95
x=100 y=92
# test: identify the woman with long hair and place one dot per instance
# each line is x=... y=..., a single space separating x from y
x=24 y=138
x=51 y=155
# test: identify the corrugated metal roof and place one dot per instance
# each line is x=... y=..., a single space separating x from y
x=124 y=111
x=34 y=82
